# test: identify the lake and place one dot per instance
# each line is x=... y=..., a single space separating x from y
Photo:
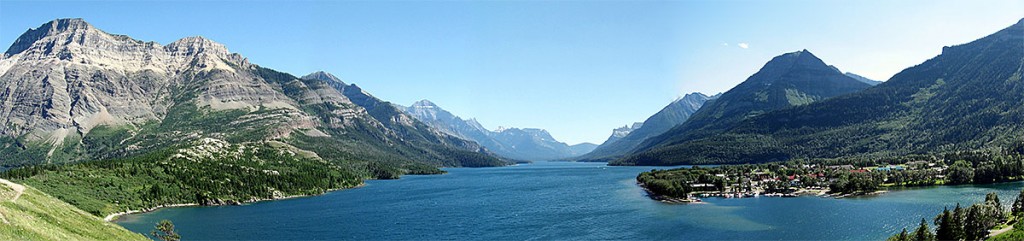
x=557 y=200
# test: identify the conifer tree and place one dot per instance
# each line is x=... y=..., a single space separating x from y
x=923 y=233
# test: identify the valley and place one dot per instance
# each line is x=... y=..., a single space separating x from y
x=105 y=135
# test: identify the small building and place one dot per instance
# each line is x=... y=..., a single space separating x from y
x=841 y=167
x=858 y=171
x=890 y=168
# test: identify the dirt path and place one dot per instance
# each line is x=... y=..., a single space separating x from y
x=997 y=232
x=18 y=188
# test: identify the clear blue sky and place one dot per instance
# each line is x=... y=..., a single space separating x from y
x=575 y=68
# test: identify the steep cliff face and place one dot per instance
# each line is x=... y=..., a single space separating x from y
x=619 y=133
x=66 y=77
x=63 y=81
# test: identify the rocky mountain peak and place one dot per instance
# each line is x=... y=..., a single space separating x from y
x=424 y=103
x=626 y=129
x=475 y=124
x=802 y=59
x=695 y=99
x=321 y=75
x=67 y=26
x=789 y=63
x=196 y=45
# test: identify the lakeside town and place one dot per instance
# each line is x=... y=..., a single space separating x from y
x=832 y=178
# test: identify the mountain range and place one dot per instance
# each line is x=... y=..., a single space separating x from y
x=527 y=144
x=624 y=140
x=969 y=97
x=72 y=92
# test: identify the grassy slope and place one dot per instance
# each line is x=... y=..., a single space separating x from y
x=1015 y=234
x=37 y=216
x=232 y=172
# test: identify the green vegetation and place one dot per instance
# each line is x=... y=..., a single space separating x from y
x=198 y=155
x=971 y=97
x=922 y=233
x=1015 y=234
x=37 y=216
x=210 y=172
x=839 y=176
x=1016 y=215
x=165 y=231
x=971 y=223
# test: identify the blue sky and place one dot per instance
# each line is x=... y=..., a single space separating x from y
x=575 y=68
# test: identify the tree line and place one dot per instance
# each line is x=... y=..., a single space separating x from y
x=971 y=223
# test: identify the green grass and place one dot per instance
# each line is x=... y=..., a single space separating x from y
x=1015 y=234
x=237 y=172
x=38 y=216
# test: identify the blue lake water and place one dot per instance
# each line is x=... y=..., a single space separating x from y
x=549 y=200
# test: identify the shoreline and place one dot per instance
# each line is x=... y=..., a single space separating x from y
x=667 y=199
x=798 y=193
x=875 y=193
x=817 y=193
x=114 y=216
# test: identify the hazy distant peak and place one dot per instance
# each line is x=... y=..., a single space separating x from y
x=424 y=103
x=475 y=124
x=863 y=79
x=692 y=96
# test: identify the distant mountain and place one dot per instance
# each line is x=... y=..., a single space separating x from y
x=391 y=117
x=969 y=97
x=440 y=119
x=582 y=148
x=527 y=144
x=72 y=92
x=624 y=140
x=863 y=79
x=619 y=133
x=792 y=79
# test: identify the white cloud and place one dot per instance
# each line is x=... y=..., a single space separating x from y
x=743 y=45
x=725 y=44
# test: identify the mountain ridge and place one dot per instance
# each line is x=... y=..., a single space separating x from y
x=65 y=78
x=791 y=79
x=968 y=97
x=528 y=144
x=671 y=115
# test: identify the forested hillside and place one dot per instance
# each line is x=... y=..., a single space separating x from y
x=969 y=97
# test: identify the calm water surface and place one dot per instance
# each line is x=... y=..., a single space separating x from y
x=548 y=200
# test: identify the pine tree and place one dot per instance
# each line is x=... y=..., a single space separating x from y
x=957 y=227
x=923 y=233
x=1018 y=206
x=165 y=231
x=992 y=198
x=944 y=226
x=974 y=225
x=902 y=236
